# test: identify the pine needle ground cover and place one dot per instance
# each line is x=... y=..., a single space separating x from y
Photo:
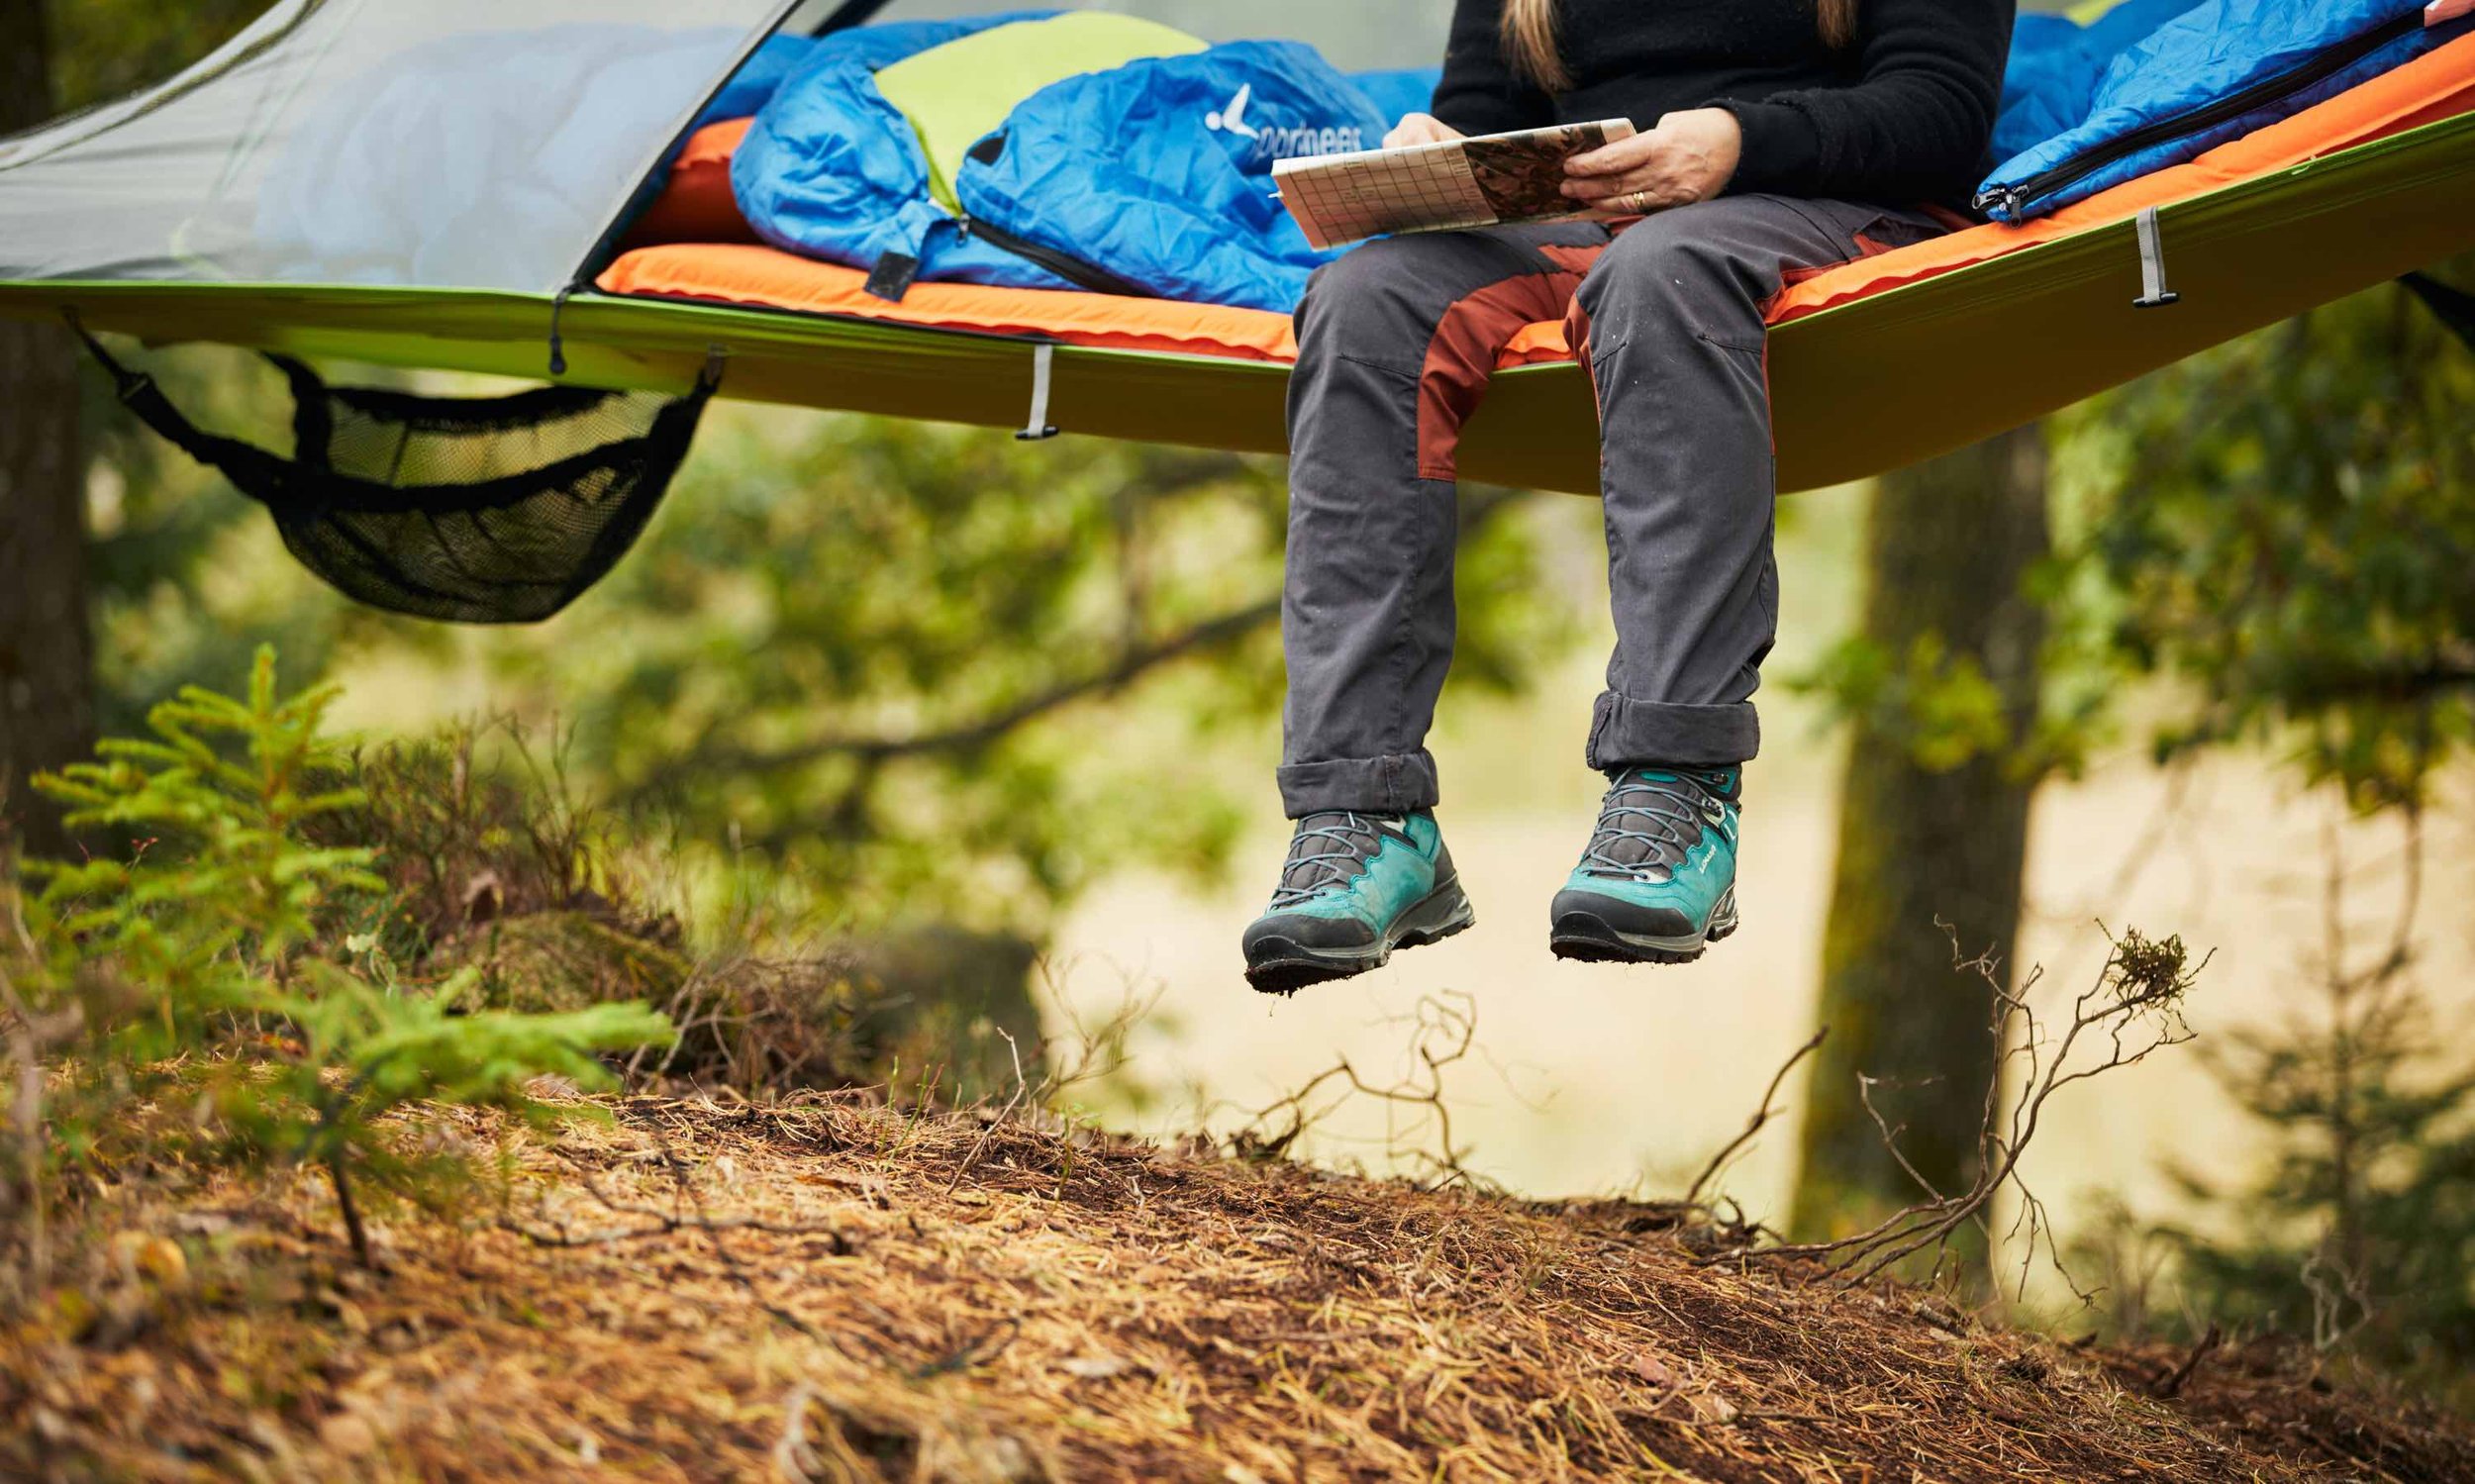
x=840 y=1289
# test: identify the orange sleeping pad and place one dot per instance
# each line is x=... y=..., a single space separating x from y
x=694 y=244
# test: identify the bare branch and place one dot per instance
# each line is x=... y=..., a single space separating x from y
x=979 y=732
x=1445 y=1028
x=1753 y=1124
x=1130 y=665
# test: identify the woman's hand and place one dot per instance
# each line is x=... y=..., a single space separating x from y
x=1690 y=157
x=1420 y=128
x=2440 y=12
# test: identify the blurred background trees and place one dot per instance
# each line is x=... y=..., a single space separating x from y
x=890 y=659
x=45 y=714
x=2284 y=526
x=2265 y=546
x=2261 y=551
x=1939 y=684
x=55 y=57
x=2282 y=532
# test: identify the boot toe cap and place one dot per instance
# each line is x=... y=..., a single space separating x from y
x=1625 y=915
x=1313 y=932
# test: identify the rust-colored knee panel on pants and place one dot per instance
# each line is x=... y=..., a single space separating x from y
x=1468 y=341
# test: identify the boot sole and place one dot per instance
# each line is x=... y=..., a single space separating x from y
x=1278 y=966
x=1587 y=938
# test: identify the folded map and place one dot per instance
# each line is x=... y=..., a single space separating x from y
x=1454 y=183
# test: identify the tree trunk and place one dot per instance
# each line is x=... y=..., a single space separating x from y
x=1948 y=543
x=47 y=654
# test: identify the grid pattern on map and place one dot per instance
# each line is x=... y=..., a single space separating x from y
x=1343 y=199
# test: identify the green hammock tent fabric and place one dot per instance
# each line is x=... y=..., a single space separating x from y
x=1859 y=388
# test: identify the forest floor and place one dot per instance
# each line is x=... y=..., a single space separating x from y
x=842 y=1290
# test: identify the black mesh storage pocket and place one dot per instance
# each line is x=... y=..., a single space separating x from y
x=473 y=510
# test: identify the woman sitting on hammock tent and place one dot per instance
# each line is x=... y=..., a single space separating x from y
x=1788 y=137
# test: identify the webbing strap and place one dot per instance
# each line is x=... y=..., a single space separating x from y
x=2454 y=307
x=1044 y=364
x=251 y=469
x=2153 y=292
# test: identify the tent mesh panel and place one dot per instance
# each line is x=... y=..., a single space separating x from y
x=479 y=510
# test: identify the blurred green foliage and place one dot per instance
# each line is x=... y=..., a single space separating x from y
x=103 y=49
x=2360 y=1230
x=1939 y=706
x=948 y=677
x=2278 y=531
x=2284 y=526
x=2278 y=535
x=2270 y=545
x=510 y=887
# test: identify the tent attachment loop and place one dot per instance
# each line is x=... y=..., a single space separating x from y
x=1044 y=364
x=2153 y=293
x=558 y=347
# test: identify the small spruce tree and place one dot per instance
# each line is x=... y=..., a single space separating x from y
x=2360 y=1231
x=195 y=961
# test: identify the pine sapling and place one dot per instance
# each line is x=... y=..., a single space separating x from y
x=199 y=954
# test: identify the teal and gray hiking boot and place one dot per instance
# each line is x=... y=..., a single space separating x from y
x=1355 y=888
x=1658 y=881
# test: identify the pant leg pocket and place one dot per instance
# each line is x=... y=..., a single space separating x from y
x=1865 y=229
x=1890 y=231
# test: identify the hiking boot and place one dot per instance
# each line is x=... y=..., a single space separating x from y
x=1355 y=888
x=1658 y=883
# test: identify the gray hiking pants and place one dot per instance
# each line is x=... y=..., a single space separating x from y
x=1396 y=342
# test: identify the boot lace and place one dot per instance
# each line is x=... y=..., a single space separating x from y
x=1648 y=822
x=1328 y=851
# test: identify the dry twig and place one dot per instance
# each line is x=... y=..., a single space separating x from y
x=2132 y=1010
x=1753 y=1124
x=1444 y=1028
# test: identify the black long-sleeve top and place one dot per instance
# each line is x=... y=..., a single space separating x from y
x=1902 y=114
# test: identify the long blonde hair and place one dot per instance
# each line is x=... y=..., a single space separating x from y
x=1530 y=36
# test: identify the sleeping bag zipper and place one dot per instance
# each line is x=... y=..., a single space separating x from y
x=2012 y=200
x=1073 y=270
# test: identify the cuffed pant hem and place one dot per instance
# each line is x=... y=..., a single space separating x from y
x=1394 y=784
x=1625 y=732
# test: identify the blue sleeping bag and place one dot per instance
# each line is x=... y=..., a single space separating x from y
x=2153 y=83
x=831 y=169
x=1153 y=178
x=1173 y=193
x=2057 y=64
